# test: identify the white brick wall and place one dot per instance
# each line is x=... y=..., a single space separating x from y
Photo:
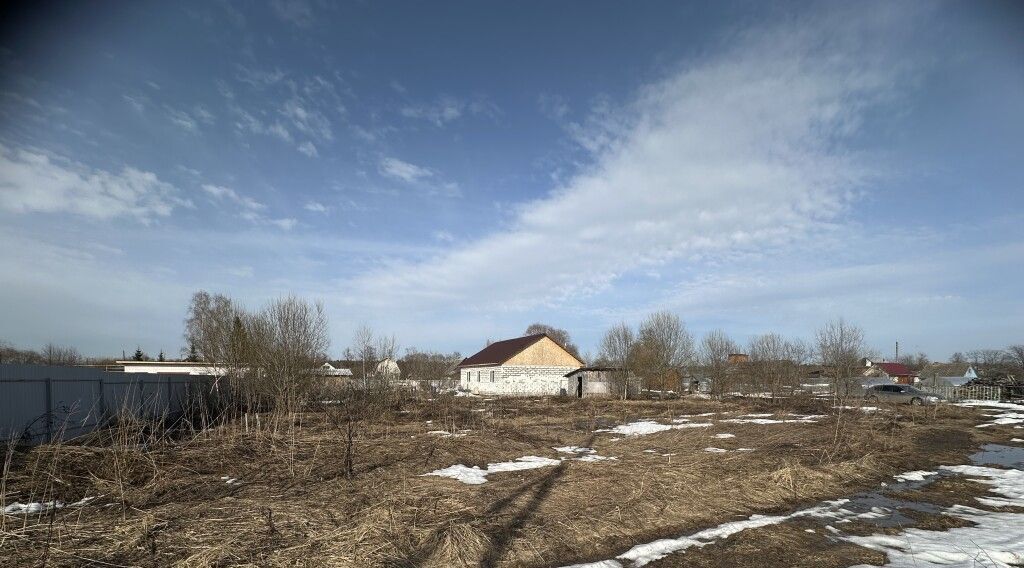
x=515 y=380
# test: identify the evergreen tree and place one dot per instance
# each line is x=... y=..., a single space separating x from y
x=139 y=355
x=160 y=357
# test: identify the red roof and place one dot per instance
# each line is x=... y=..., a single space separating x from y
x=501 y=351
x=895 y=369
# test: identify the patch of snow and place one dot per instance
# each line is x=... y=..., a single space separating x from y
x=230 y=480
x=465 y=393
x=1017 y=439
x=1007 y=482
x=645 y=427
x=716 y=450
x=643 y=554
x=476 y=476
x=918 y=475
x=574 y=450
x=994 y=541
x=447 y=434
x=17 y=508
x=769 y=421
x=594 y=458
x=724 y=436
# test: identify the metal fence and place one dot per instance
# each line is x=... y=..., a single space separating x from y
x=968 y=392
x=41 y=403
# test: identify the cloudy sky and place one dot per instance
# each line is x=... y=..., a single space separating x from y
x=450 y=172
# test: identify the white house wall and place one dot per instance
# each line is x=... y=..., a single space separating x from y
x=515 y=380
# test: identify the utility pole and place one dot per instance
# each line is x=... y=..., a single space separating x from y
x=897 y=359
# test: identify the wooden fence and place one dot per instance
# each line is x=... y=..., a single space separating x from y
x=42 y=403
x=968 y=392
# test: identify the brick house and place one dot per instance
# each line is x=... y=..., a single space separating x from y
x=524 y=366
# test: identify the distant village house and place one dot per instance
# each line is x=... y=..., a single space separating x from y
x=524 y=366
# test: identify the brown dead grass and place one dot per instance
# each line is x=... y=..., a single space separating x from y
x=166 y=504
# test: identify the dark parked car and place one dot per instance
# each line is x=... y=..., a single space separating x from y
x=900 y=394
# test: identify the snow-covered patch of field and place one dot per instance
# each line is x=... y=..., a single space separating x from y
x=993 y=541
x=447 y=434
x=724 y=436
x=230 y=480
x=644 y=554
x=762 y=419
x=645 y=427
x=1014 y=412
x=860 y=408
x=17 y=508
x=914 y=475
x=476 y=476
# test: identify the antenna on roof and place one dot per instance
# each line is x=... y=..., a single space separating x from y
x=897 y=359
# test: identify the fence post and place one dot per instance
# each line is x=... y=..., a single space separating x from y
x=49 y=409
x=103 y=399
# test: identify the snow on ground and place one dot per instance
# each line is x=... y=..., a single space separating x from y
x=754 y=419
x=476 y=476
x=1014 y=414
x=716 y=450
x=1017 y=439
x=645 y=427
x=643 y=554
x=574 y=450
x=914 y=475
x=447 y=434
x=17 y=508
x=860 y=408
x=724 y=436
x=993 y=541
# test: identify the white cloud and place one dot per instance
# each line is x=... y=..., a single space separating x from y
x=137 y=103
x=297 y=12
x=222 y=193
x=741 y=150
x=33 y=181
x=308 y=149
x=443 y=236
x=403 y=171
x=307 y=120
x=448 y=109
x=285 y=224
x=316 y=207
x=182 y=119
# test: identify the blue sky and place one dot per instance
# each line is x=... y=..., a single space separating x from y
x=451 y=172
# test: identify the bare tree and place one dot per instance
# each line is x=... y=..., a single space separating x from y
x=987 y=356
x=53 y=354
x=1016 y=354
x=618 y=347
x=428 y=366
x=290 y=337
x=840 y=347
x=957 y=357
x=769 y=362
x=560 y=336
x=664 y=347
x=362 y=346
x=715 y=348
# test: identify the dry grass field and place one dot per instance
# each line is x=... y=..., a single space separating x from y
x=275 y=492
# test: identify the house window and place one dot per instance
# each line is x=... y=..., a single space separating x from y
x=467 y=376
x=492 y=376
x=478 y=376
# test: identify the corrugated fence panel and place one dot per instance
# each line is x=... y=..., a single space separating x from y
x=40 y=403
x=22 y=406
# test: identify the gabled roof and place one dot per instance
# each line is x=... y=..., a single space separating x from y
x=895 y=369
x=501 y=351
